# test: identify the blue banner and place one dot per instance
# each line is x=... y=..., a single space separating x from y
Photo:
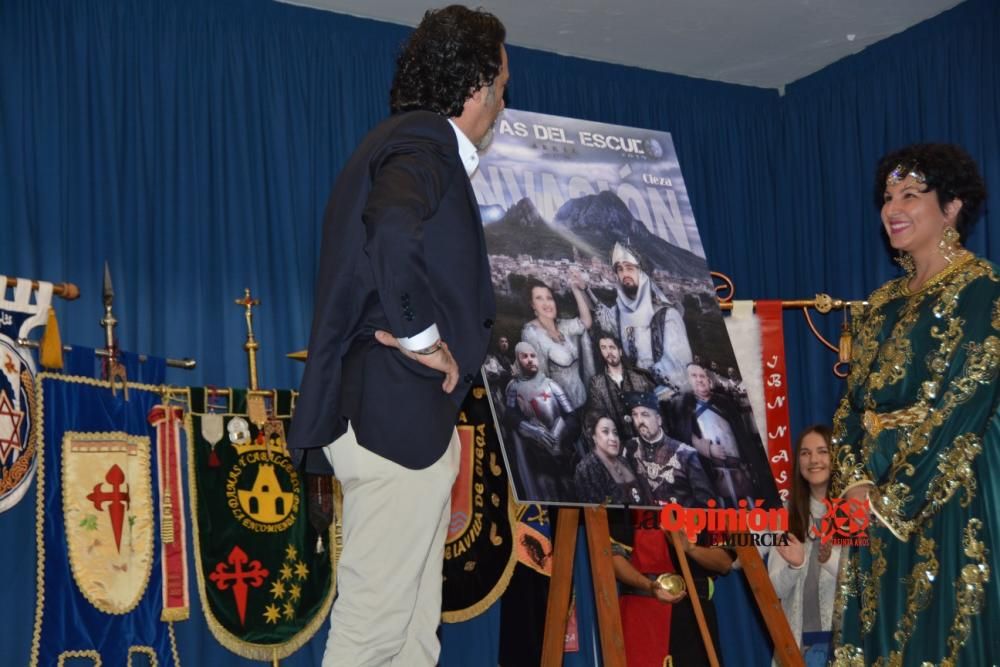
x=99 y=571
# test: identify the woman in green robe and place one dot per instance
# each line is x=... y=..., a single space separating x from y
x=917 y=433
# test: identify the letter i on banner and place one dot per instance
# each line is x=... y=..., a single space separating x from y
x=779 y=441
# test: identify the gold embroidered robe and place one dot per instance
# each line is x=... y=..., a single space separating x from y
x=919 y=420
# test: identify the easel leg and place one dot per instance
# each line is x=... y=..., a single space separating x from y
x=786 y=649
x=609 y=619
x=699 y=614
x=560 y=587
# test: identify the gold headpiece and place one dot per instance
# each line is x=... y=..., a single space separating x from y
x=900 y=172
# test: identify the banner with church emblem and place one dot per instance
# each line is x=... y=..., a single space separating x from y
x=479 y=553
x=99 y=580
x=265 y=577
x=18 y=316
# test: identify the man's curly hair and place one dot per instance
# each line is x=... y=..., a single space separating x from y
x=949 y=171
x=452 y=53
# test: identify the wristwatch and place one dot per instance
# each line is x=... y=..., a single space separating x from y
x=430 y=349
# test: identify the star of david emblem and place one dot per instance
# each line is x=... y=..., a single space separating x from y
x=10 y=428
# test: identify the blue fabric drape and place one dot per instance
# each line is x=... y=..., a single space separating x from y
x=193 y=145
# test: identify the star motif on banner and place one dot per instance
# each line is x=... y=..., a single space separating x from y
x=289 y=611
x=295 y=592
x=301 y=570
x=286 y=571
x=291 y=552
x=272 y=614
x=278 y=588
x=10 y=428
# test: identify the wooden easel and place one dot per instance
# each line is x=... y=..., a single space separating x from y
x=609 y=624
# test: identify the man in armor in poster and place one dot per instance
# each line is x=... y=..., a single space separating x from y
x=713 y=423
x=650 y=327
x=537 y=414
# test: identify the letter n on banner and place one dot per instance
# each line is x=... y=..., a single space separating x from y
x=779 y=440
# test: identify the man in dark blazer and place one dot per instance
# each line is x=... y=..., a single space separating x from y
x=403 y=315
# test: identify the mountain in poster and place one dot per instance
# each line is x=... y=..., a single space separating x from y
x=592 y=224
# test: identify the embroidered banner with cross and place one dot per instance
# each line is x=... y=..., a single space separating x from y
x=265 y=576
x=97 y=502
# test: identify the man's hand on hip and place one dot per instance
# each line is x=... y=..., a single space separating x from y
x=440 y=360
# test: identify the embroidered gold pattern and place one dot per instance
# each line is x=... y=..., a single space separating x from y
x=870 y=585
x=848 y=655
x=918 y=594
x=954 y=472
x=970 y=593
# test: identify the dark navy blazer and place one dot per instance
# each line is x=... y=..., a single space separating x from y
x=402 y=249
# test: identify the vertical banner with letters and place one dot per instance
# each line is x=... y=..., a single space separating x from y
x=779 y=441
x=480 y=553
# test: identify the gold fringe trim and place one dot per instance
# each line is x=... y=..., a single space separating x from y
x=79 y=654
x=175 y=614
x=144 y=650
x=262 y=652
x=36 y=438
x=473 y=610
x=173 y=645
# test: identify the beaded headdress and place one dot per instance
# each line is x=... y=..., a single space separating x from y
x=901 y=171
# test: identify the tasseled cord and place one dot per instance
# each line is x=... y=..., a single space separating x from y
x=50 y=353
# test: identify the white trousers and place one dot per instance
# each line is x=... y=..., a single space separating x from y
x=389 y=575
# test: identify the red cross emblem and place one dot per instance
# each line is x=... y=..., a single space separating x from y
x=117 y=499
x=238 y=578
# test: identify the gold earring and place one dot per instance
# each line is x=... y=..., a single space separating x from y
x=949 y=245
x=905 y=260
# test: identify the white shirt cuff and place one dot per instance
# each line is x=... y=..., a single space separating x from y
x=422 y=340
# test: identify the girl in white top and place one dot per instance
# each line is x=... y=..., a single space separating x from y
x=804 y=572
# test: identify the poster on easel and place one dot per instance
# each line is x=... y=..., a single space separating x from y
x=611 y=374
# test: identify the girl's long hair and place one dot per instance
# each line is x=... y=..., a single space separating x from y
x=798 y=506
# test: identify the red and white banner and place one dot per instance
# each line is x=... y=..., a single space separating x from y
x=173 y=538
x=778 y=440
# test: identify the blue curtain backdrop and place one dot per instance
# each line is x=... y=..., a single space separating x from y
x=193 y=145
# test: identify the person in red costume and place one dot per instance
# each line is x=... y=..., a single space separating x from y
x=659 y=627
